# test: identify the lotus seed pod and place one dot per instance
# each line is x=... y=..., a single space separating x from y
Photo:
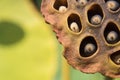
x=89 y=48
x=92 y=49
x=96 y=19
x=74 y=27
x=112 y=37
x=62 y=9
x=113 y=5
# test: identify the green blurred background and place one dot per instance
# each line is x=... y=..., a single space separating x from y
x=29 y=49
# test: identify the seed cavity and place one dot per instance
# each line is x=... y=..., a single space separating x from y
x=61 y=5
x=113 y=4
x=74 y=23
x=95 y=14
x=112 y=33
x=115 y=57
x=88 y=47
x=82 y=2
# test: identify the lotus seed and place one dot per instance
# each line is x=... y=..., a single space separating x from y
x=62 y=9
x=89 y=48
x=112 y=36
x=118 y=61
x=96 y=19
x=74 y=27
x=113 y=5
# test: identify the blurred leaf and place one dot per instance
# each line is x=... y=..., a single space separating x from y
x=37 y=3
x=32 y=57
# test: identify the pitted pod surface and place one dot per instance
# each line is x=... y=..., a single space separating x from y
x=89 y=30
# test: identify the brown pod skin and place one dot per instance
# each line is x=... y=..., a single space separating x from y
x=89 y=30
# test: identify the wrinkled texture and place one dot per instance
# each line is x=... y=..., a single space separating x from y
x=102 y=59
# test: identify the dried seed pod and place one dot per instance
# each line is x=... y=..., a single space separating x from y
x=92 y=49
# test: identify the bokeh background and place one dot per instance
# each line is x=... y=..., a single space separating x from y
x=29 y=49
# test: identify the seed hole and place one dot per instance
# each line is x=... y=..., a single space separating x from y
x=88 y=47
x=115 y=57
x=113 y=4
x=74 y=23
x=61 y=5
x=95 y=14
x=112 y=33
